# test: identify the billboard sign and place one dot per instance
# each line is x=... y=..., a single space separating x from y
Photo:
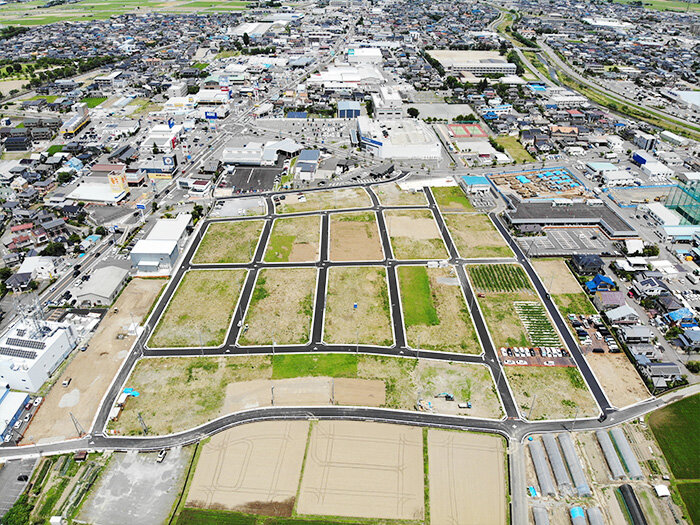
x=211 y=115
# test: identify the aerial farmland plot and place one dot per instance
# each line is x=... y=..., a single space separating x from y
x=229 y=242
x=294 y=239
x=434 y=310
x=281 y=307
x=200 y=310
x=355 y=237
x=414 y=235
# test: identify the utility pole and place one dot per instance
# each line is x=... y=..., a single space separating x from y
x=78 y=428
x=534 y=399
x=574 y=421
x=141 y=421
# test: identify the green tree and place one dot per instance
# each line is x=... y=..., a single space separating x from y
x=246 y=39
x=19 y=512
x=5 y=274
x=54 y=249
x=101 y=231
x=64 y=177
x=412 y=112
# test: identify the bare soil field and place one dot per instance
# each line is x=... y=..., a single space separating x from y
x=324 y=200
x=303 y=391
x=561 y=392
x=229 y=242
x=177 y=393
x=393 y=195
x=467 y=382
x=294 y=239
x=502 y=320
x=556 y=276
x=475 y=235
x=200 y=310
x=414 y=235
x=364 y=470
x=618 y=377
x=281 y=307
x=92 y=371
x=436 y=316
x=467 y=478
x=251 y=468
x=370 y=322
x=355 y=237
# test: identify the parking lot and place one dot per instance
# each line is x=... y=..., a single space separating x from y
x=565 y=241
x=544 y=356
x=592 y=334
x=18 y=429
x=250 y=180
x=10 y=486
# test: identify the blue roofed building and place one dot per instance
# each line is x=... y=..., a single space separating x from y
x=475 y=183
x=348 y=109
x=600 y=283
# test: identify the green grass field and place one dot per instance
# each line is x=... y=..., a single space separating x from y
x=666 y=5
x=190 y=516
x=93 y=102
x=451 y=198
x=573 y=303
x=690 y=492
x=499 y=277
x=516 y=150
x=418 y=307
x=305 y=365
x=677 y=429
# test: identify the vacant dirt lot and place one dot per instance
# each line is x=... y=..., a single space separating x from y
x=556 y=276
x=502 y=320
x=178 y=393
x=200 y=310
x=370 y=322
x=392 y=195
x=454 y=331
x=294 y=239
x=355 y=237
x=475 y=236
x=561 y=392
x=229 y=242
x=364 y=470
x=251 y=468
x=92 y=371
x=303 y=391
x=281 y=307
x=467 y=382
x=414 y=235
x=467 y=478
x=325 y=200
x=619 y=379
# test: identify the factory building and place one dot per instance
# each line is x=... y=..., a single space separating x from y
x=398 y=139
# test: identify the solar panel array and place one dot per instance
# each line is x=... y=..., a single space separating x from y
x=16 y=352
x=26 y=343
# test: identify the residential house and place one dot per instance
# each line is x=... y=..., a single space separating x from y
x=624 y=314
x=650 y=287
x=636 y=334
x=605 y=301
x=600 y=283
x=587 y=264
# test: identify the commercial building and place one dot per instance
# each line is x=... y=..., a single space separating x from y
x=475 y=62
x=364 y=55
x=348 y=109
x=11 y=406
x=102 y=287
x=398 y=139
x=158 y=252
x=388 y=104
x=76 y=122
x=30 y=351
x=661 y=214
x=644 y=140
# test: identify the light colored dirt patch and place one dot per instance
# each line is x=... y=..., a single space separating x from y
x=366 y=470
x=557 y=396
x=281 y=307
x=414 y=235
x=92 y=371
x=619 y=379
x=466 y=382
x=200 y=311
x=309 y=391
x=294 y=239
x=229 y=242
x=593 y=461
x=475 y=235
x=355 y=237
x=325 y=200
x=455 y=331
x=370 y=322
x=392 y=195
x=556 y=276
x=467 y=478
x=251 y=468
x=178 y=393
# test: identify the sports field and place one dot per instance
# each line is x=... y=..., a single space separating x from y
x=467 y=478
x=475 y=235
x=366 y=470
x=281 y=307
x=370 y=321
x=294 y=239
x=414 y=235
x=462 y=131
x=229 y=242
x=200 y=310
x=434 y=310
x=355 y=237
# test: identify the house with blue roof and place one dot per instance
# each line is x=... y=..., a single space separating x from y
x=683 y=317
x=600 y=283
